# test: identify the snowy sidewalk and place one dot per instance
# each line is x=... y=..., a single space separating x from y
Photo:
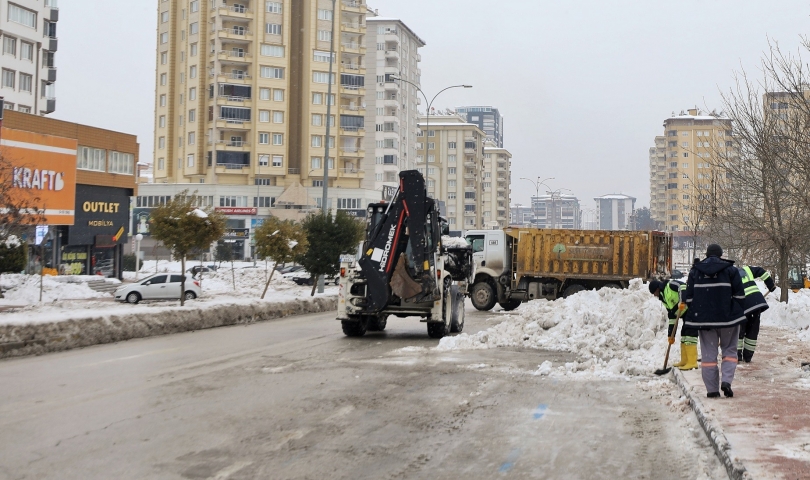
x=767 y=423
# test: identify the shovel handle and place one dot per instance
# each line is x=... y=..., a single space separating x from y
x=669 y=345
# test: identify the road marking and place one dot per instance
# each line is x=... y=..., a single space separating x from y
x=540 y=411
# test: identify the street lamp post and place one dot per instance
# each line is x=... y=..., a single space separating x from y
x=537 y=194
x=429 y=103
x=324 y=202
x=138 y=239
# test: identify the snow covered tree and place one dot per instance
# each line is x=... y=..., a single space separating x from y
x=183 y=227
x=329 y=237
x=281 y=240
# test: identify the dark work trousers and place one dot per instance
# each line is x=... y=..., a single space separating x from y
x=749 y=331
x=710 y=340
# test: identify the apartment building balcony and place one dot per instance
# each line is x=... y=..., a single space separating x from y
x=50 y=105
x=234 y=34
x=52 y=44
x=391 y=103
x=469 y=163
x=470 y=151
x=232 y=101
x=352 y=90
x=315 y=174
x=469 y=176
x=352 y=47
x=356 y=6
x=234 y=57
x=391 y=36
x=233 y=145
x=356 y=68
x=232 y=168
x=236 y=12
x=352 y=131
x=360 y=109
x=352 y=152
x=392 y=54
x=233 y=123
x=501 y=188
x=239 y=78
x=470 y=188
x=353 y=27
x=50 y=74
x=391 y=86
x=352 y=172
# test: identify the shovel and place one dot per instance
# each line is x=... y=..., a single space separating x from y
x=666 y=370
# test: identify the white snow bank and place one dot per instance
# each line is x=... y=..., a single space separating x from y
x=794 y=314
x=614 y=332
x=453 y=242
x=25 y=288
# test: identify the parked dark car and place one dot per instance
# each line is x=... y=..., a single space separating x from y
x=204 y=269
x=306 y=279
x=290 y=269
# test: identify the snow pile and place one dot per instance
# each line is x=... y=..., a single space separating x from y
x=614 y=332
x=794 y=314
x=25 y=288
x=453 y=242
x=12 y=241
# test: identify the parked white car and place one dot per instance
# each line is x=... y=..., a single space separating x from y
x=161 y=286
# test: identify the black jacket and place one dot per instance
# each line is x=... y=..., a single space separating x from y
x=714 y=294
x=754 y=300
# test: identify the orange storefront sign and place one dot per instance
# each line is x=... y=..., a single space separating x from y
x=43 y=173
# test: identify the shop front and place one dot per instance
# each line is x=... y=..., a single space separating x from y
x=94 y=244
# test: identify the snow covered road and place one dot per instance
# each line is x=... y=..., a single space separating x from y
x=294 y=398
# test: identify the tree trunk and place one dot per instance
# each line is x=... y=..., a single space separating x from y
x=784 y=267
x=233 y=276
x=182 y=280
x=266 y=285
x=314 y=286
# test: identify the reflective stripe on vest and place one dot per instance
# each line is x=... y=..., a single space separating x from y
x=749 y=285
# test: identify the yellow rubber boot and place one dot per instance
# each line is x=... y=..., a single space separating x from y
x=691 y=358
x=682 y=361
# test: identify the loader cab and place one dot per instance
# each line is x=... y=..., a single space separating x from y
x=797 y=278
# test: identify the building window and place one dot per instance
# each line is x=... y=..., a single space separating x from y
x=194 y=28
x=23 y=16
x=162 y=121
x=164 y=38
x=190 y=160
x=192 y=71
x=451 y=159
x=317 y=120
x=25 y=82
x=10 y=46
x=272 y=28
x=264 y=160
x=264 y=116
x=193 y=50
x=273 y=7
x=278 y=139
x=322 y=77
x=324 y=14
x=27 y=51
x=9 y=78
x=195 y=6
x=162 y=143
x=272 y=51
x=161 y=164
x=451 y=145
x=23 y=109
x=164 y=58
x=192 y=93
x=317 y=98
x=164 y=17
x=278 y=117
x=92 y=159
x=322 y=57
x=163 y=100
x=192 y=138
x=271 y=72
x=192 y=115
x=264 y=94
x=278 y=95
x=324 y=35
x=264 y=138
x=278 y=160
x=122 y=163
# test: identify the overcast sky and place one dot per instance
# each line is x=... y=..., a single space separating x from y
x=584 y=86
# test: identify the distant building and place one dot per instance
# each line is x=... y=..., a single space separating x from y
x=29 y=44
x=488 y=119
x=520 y=215
x=614 y=211
x=658 y=180
x=495 y=183
x=556 y=211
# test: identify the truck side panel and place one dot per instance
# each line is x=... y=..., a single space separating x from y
x=590 y=254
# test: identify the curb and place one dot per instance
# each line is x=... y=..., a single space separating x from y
x=722 y=448
x=36 y=339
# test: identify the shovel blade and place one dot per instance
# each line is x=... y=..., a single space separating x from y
x=663 y=371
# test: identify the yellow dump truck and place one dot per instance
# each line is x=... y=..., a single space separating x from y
x=516 y=265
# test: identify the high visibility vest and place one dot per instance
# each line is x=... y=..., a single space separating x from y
x=672 y=298
x=749 y=285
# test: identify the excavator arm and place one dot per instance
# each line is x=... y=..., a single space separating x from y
x=405 y=226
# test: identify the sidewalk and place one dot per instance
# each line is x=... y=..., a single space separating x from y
x=767 y=423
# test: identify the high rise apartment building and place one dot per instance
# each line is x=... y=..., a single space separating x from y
x=487 y=118
x=556 y=210
x=495 y=186
x=614 y=211
x=392 y=114
x=658 y=180
x=28 y=31
x=242 y=92
x=692 y=138
x=450 y=155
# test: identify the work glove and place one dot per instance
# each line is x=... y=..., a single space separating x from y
x=681 y=309
x=772 y=289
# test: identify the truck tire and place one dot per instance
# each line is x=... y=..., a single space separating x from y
x=355 y=328
x=572 y=289
x=510 y=305
x=457 y=320
x=378 y=323
x=483 y=296
x=442 y=328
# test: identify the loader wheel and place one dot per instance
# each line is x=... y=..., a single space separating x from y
x=510 y=305
x=572 y=289
x=378 y=323
x=440 y=329
x=355 y=328
x=483 y=296
x=457 y=320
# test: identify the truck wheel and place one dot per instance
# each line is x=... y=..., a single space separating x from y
x=355 y=328
x=378 y=323
x=457 y=320
x=440 y=329
x=510 y=305
x=572 y=289
x=483 y=296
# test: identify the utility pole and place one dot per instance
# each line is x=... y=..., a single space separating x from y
x=324 y=196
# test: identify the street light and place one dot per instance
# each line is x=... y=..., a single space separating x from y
x=430 y=103
x=324 y=203
x=138 y=239
x=537 y=194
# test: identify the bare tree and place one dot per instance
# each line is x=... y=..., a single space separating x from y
x=760 y=200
